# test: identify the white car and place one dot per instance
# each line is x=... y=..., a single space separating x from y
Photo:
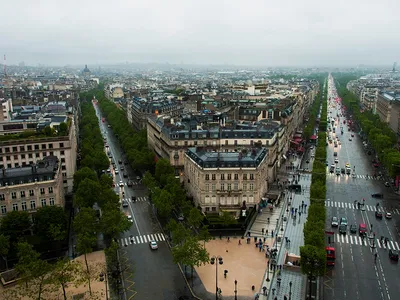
x=116 y=171
x=336 y=161
x=153 y=245
x=388 y=215
x=121 y=183
x=129 y=218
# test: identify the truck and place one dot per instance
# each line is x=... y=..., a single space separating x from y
x=330 y=248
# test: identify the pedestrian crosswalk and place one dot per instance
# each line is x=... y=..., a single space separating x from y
x=373 y=208
x=357 y=176
x=358 y=240
x=142 y=239
x=138 y=199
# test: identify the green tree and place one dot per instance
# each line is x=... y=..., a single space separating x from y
x=113 y=222
x=163 y=201
x=149 y=181
x=163 y=171
x=88 y=193
x=195 y=217
x=86 y=222
x=32 y=270
x=106 y=181
x=204 y=235
x=179 y=233
x=82 y=174
x=65 y=272
x=15 y=224
x=51 y=223
x=4 y=248
x=190 y=253
x=63 y=129
x=227 y=218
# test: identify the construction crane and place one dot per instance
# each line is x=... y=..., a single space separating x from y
x=394 y=67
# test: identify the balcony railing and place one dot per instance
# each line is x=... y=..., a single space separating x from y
x=230 y=192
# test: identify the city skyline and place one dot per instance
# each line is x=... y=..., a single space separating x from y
x=262 y=33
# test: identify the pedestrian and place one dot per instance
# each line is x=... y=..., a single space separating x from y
x=266 y=232
x=255 y=239
x=240 y=242
x=305 y=207
x=299 y=214
x=264 y=239
x=279 y=282
x=262 y=230
x=272 y=233
x=248 y=240
x=376 y=255
x=264 y=290
x=229 y=239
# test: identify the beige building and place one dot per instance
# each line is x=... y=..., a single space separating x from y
x=7 y=109
x=30 y=187
x=171 y=138
x=17 y=151
x=226 y=181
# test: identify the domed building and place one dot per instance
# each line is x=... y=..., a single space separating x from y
x=86 y=72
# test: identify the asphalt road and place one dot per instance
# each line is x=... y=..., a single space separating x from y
x=152 y=274
x=356 y=275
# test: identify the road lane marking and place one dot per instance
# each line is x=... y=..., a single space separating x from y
x=397 y=245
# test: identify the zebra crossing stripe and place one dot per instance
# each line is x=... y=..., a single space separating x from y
x=355 y=240
x=391 y=242
x=397 y=245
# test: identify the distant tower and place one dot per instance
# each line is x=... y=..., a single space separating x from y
x=86 y=72
x=394 y=67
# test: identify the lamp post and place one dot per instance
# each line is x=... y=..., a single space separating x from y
x=290 y=290
x=267 y=271
x=235 y=289
x=220 y=262
x=103 y=277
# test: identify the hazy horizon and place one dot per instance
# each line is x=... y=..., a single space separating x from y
x=235 y=33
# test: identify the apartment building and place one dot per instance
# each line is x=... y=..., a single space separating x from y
x=140 y=109
x=226 y=181
x=388 y=109
x=28 y=148
x=7 y=109
x=171 y=137
x=29 y=187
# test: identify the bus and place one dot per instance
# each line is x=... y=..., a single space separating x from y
x=330 y=249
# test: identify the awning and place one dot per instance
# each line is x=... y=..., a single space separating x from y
x=313 y=137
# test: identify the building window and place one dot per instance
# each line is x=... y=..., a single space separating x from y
x=33 y=204
x=15 y=157
x=229 y=176
x=50 y=190
x=42 y=191
x=63 y=160
x=251 y=187
x=61 y=145
x=2 y=197
x=244 y=176
x=37 y=154
x=51 y=153
x=15 y=149
x=213 y=208
x=43 y=202
x=251 y=176
x=15 y=206
x=63 y=168
x=207 y=209
x=23 y=156
x=236 y=186
x=236 y=176
x=51 y=201
x=21 y=148
x=31 y=193
x=3 y=209
x=64 y=174
x=235 y=143
x=29 y=147
x=6 y=149
x=222 y=187
x=207 y=187
x=207 y=177
x=213 y=187
x=36 y=147
x=30 y=155
x=222 y=176
x=8 y=157
x=213 y=176
x=244 y=186
x=13 y=195
x=50 y=146
x=62 y=152
x=43 y=146
x=22 y=194
x=23 y=205
x=229 y=187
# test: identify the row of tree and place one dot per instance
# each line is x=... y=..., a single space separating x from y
x=313 y=254
x=380 y=136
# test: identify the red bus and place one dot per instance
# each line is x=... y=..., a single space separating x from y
x=330 y=256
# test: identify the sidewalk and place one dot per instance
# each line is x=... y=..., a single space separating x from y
x=293 y=230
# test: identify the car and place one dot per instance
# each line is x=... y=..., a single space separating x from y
x=353 y=228
x=108 y=170
x=343 y=221
x=124 y=203
x=378 y=215
x=352 y=135
x=121 y=183
x=327 y=163
x=122 y=168
x=347 y=165
x=336 y=161
x=362 y=229
x=335 y=222
x=343 y=229
x=138 y=178
x=125 y=175
x=312 y=147
x=332 y=168
x=133 y=198
x=377 y=195
x=335 y=153
x=130 y=183
x=130 y=219
x=387 y=184
x=350 y=139
x=337 y=171
x=116 y=171
x=343 y=170
x=354 y=175
x=388 y=215
x=394 y=255
x=119 y=161
x=153 y=245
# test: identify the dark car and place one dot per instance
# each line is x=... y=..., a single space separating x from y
x=394 y=255
x=343 y=229
x=378 y=215
x=133 y=198
x=124 y=203
x=342 y=170
x=119 y=161
x=130 y=184
x=377 y=195
x=353 y=228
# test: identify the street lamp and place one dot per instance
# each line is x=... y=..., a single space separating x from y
x=103 y=277
x=220 y=262
x=235 y=289
x=267 y=271
x=290 y=290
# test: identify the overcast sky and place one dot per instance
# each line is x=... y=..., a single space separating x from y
x=262 y=32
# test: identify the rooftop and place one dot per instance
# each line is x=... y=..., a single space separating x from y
x=41 y=171
x=247 y=158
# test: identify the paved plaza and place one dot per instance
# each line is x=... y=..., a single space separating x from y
x=244 y=263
